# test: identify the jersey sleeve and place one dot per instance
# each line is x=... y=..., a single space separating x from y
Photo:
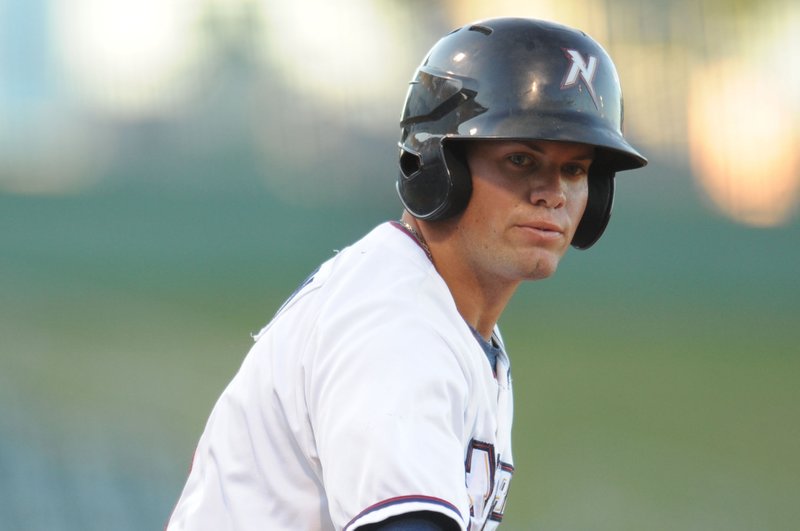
x=387 y=404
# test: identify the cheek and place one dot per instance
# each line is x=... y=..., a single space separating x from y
x=488 y=198
x=577 y=200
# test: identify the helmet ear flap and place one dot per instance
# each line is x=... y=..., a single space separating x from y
x=460 y=178
x=434 y=183
x=598 y=210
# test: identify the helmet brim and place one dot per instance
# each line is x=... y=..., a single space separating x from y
x=614 y=152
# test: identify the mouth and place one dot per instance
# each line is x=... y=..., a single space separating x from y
x=543 y=227
x=543 y=231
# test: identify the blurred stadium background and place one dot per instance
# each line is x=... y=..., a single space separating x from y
x=169 y=171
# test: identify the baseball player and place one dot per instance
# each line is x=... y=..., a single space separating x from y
x=379 y=396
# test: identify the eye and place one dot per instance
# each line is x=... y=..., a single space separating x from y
x=575 y=169
x=520 y=159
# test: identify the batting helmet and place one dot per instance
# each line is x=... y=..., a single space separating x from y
x=511 y=78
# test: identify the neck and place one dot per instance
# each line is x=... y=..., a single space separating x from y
x=479 y=298
x=480 y=301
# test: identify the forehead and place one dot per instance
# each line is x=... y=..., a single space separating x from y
x=490 y=147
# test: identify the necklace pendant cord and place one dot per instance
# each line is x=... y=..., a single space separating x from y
x=418 y=237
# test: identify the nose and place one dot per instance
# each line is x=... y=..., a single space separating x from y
x=547 y=190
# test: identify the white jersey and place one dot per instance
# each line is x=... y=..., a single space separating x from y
x=367 y=396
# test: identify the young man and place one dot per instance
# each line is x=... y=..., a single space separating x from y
x=379 y=396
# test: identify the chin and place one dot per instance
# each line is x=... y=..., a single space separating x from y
x=541 y=274
x=543 y=267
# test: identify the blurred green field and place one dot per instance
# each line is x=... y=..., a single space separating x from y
x=656 y=376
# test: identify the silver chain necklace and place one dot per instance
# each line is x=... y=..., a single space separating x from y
x=420 y=240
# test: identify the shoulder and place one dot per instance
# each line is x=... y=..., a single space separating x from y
x=384 y=258
x=369 y=271
x=384 y=281
x=377 y=305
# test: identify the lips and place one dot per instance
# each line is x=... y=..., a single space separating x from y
x=543 y=226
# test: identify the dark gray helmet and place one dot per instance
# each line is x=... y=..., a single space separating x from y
x=511 y=78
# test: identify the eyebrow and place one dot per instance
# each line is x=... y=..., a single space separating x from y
x=589 y=154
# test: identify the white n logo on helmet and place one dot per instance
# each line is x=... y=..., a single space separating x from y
x=579 y=69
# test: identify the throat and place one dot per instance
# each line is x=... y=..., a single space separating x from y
x=480 y=300
x=481 y=309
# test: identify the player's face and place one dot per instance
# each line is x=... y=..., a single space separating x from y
x=527 y=200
